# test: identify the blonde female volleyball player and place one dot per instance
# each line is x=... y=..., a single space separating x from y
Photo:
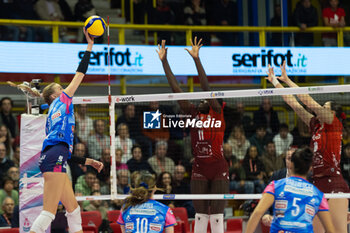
x=295 y=201
x=209 y=169
x=57 y=148
x=142 y=214
x=326 y=128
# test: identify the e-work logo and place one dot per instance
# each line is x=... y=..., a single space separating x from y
x=266 y=57
x=151 y=120
x=117 y=58
x=125 y=99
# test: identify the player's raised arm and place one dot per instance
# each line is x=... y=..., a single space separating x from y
x=194 y=52
x=289 y=99
x=82 y=68
x=322 y=113
x=162 y=52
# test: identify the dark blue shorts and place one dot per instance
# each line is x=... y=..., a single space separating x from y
x=54 y=158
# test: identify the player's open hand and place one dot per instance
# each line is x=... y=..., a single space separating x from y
x=270 y=73
x=284 y=77
x=162 y=51
x=194 y=52
x=89 y=39
x=95 y=164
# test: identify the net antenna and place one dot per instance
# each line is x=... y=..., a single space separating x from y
x=113 y=177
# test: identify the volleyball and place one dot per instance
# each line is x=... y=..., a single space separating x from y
x=95 y=25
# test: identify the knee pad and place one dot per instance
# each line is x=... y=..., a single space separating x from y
x=201 y=223
x=42 y=222
x=217 y=223
x=74 y=220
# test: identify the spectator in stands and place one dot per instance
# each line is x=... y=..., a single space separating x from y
x=226 y=13
x=283 y=140
x=5 y=137
x=97 y=205
x=305 y=16
x=277 y=175
x=104 y=175
x=301 y=134
x=165 y=182
x=260 y=139
x=333 y=16
x=7 y=212
x=48 y=10
x=180 y=186
x=272 y=162
x=159 y=162
x=245 y=120
x=25 y=10
x=238 y=142
x=195 y=14
x=133 y=120
x=15 y=217
x=346 y=135
x=137 y=162
x=76 y=169
x=124 y=142
x=123 y=185
x=119 y=160
x=254 y=169
x=7 y=118
x=267 y=116
x=162 y=14
x=345 y=163
x=85 y=183
x=13 y=173
x=98 y=140
x=237 y=174
x=5 y=163
x=16 y=155
x=276 y=38
x=84 y=124
x=8 y=191
x=66 y=10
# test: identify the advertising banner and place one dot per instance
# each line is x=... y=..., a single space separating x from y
x=31 y=181
x=56 y=58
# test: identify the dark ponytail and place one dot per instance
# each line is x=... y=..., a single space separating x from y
x=337 y=108
x=302 y=160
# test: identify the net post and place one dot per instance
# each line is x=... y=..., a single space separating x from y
x=113 y=176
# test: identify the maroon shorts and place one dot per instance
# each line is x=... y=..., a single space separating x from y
x=217 y=170
x=331 y=184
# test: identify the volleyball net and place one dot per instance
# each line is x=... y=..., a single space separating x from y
x=151 y=134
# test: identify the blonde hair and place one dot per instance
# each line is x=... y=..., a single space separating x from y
x=48 y=91
x=144 y=187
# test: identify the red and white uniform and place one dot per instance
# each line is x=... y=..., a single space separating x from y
x=207 y=146
x=326 y=145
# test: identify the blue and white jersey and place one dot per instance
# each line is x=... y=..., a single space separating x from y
x=60 y=122
x=296 y=203
x=149 y=217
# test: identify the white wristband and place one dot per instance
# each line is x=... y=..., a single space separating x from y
x=274 y=80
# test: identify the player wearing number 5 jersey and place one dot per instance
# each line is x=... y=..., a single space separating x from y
x=209 y=169
x=295 y=201
x=141 y=214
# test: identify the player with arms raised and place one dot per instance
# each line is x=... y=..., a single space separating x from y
x=209 y=169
